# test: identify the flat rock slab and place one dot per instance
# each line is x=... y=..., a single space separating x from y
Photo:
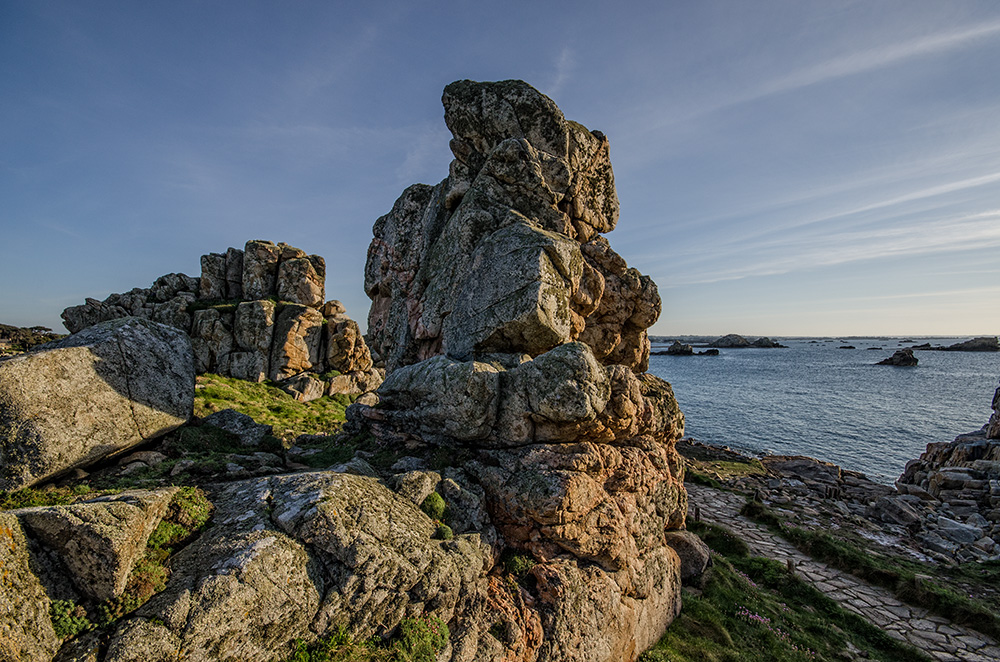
x=93 y=394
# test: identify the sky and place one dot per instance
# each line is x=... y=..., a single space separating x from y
x=784 y=167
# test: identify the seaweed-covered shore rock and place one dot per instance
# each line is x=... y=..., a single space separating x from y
x=512 y=331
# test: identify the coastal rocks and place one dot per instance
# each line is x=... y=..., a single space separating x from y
x=99 y=540
x=95 y=393
x=677 y=349
x=963 y=476
x=735 y=341
x=514 y=335
x=985 y=344
x=902 y=357
x=254 y=314
x=25 y=628
x=504 y=255
x=993 y=427
x=296 y=556
x=695 y=556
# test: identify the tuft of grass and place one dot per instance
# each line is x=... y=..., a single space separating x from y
x=68 y=618
x=187 y=513
x=48 y=496
x=909 y=581
x=692 y=476
x=417 y=640
x=517 y=564
x=434 y=506
x=267 y=404
x=444 y=532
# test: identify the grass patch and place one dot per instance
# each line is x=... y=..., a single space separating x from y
x=417 y=640
x=267 y=404
x=752 y=610
x=692 y=476
x=909 y=581
x=187 y=513
x=48 y=496
x=68 y=618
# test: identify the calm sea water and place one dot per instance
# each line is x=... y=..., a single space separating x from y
x=833 y=404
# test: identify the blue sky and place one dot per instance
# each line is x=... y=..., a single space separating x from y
x=784 y=168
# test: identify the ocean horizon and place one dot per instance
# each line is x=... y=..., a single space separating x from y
x=815 y=398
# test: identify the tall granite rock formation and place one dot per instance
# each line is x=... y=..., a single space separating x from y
x=254 y=314
x=511 y=330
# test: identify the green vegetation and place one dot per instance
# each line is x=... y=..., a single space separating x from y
x=269 y=405
x=752 y=610
x=48 y=496
x=187 y=513
x=692 y=476
x=910 y=581
x=434 y=506
x=444 y=532
x=22 y=339
x=517 y=564
x=68 y=618
x=417 y=640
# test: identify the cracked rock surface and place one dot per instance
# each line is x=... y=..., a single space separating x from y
x=93 y=394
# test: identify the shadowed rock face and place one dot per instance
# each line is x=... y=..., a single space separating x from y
x=95 y=393
x=505 y=255
x=509 y=327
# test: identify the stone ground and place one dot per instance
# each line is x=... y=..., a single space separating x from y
x=940 y=638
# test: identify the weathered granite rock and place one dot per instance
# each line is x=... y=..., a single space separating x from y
x=902 y=357
x=984 y=344
x=253 y=332
x=214 y=282
x=299 y=555
x=512 y=331
x=297 y=347
x=234 y=273
x=260 y=269
x=356 y=382
x=100 y=540
x=345 y=349
x=302 y=280
x=693 y=553
x=212 y=340
x=304 y=387
x=25 y=629
x=250 y=433
x=504 y=255
x=731 y=341
x=95 y=393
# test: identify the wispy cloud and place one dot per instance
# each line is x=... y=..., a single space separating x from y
x=793 y=253
x=876 y=58
x=563 y=69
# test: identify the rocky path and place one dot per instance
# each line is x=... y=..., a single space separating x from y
x=937 y=636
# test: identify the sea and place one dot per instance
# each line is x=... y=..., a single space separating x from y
x=834 y=404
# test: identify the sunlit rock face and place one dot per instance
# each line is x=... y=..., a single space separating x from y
x=511 y=330
x=506 y=254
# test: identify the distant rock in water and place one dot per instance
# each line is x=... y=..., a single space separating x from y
x=678 y=349
x=847 y=347
x=984 y=344
x=254 y=314
x=902 y=357
x=731 y=341
x=735 y=341
x=767 y=343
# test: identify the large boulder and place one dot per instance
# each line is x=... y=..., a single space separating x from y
x=100 y=540
x=505 y=254
x=902 y=357
x=95 y=393
x=512 y=333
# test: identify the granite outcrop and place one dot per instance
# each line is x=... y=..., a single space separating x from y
x=257 y=313
x=513 y=333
